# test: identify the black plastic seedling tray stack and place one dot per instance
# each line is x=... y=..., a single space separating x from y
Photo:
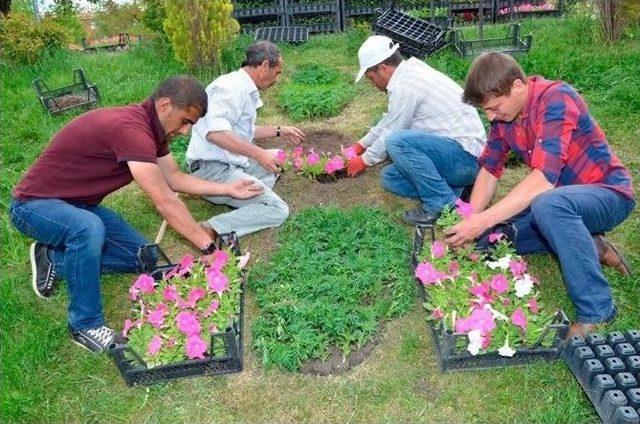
x=225 y=353
x=283 y=34
x=80 y=94
x=417 y=37
x=511 y=44
x=607 y=366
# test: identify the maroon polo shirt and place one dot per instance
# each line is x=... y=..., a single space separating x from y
x=87 y=159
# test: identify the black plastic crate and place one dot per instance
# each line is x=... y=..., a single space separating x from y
x=225 y=350
x=80 y=94
x=452 y=354
x=511 y=44
x=607 y=366
x=283 y=34
x=257 y=12
x=294 y=8
x=419 y=234
x=416 y=36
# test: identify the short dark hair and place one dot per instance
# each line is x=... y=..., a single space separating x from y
x=491 y=74
x=184 y=91
x=394 y=60
x=261 y=51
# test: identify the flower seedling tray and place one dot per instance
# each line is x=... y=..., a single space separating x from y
x=123 y=41
x=283 y=34
x=419 y=234
x=416 y=36
x=452 y=354
x=607 y=366
x=225 y=351
x=331 y=178
x=80 y=94
x=511 y=44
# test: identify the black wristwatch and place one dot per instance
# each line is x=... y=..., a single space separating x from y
x=211 y=247
x=278 y=131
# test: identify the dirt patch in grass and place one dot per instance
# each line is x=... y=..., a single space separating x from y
x=336 y=362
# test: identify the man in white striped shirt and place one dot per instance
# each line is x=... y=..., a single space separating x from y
x=222 y=145
x=431 y=136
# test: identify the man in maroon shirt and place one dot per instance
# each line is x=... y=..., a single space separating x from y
x=58 y=200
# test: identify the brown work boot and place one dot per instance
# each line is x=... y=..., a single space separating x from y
x=610 y=256
x=580 y=329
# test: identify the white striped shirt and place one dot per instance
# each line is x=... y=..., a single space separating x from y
x=233 y=100
x=421 y=98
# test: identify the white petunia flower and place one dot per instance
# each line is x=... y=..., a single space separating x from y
x=502 y=263
x=524 y=285
x=496 y=314
x=475 y=342
x=243 y=260
x=506 y=350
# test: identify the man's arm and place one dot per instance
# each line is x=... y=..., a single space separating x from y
x=519 y=198
x=289 y=132
x=185 y=183
x=149 y=177
x=483 y=190
x=234 y=144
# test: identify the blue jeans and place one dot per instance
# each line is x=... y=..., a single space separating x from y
x=428 y=167
x=84 y=241
x=562 y=221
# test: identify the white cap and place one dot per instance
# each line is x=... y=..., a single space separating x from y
x=374 y=50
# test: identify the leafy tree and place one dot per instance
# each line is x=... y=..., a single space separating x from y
x=153 y=14
x=113 y=18
x=198 y=29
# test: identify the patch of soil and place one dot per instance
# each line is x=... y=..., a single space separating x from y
x=336 y=362
x=331 y=178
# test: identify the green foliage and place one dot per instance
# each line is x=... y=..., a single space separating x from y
x=233 y=53
x=315 y=91
x=336 y=275
x=71 y=25
x=153 y=15
x=198 y=29
x=23 y=41
x=113 y=18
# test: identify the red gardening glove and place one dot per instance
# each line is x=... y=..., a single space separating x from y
x=359 y=149
x=356 y=166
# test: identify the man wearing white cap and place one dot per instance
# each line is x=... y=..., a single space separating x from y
x=432 y=137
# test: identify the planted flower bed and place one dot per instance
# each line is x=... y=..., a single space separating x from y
x=189 y=323
x=323 y=167
x=484 y=308
x=323 y=296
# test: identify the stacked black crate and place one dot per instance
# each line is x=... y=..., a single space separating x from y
x=317 y=15
x=252 y=14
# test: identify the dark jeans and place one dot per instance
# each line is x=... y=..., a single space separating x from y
x=562 y=221
x=85 y=241
x=428 y=167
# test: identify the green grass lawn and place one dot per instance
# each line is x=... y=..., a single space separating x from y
x=45 y=378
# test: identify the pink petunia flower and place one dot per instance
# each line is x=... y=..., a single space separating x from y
x=519 y=319
x=127 y=326
x=454 y=269
x=499 y=283
x=518 y=268
x=437 y=313
x=156 y=317
x=195 y=347
x=438 y=249
x=188 y=323
x=185 y=265
x=145 y=284
x=313 y=158
x=194 y=295
x=213 y=306
x=349 y=153
x=479 y=289
x=298 y=163
x=133 y=293
x=170 y=293
x=480 y=319
x=474 y=257
x=533 y=305
x=220 y=259
x=427 y=274
x=464 y=209
x=334 y=164
x=154 y=345
x=281 y=157
x=217 y=281
x=495 y=237
x=298 y=152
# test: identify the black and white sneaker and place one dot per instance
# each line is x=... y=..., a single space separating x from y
x=96 y=340
x=43 y=273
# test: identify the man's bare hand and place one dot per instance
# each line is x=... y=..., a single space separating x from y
x=268 y=160
x=292 y=133
x=466 y=231
x=244 y=189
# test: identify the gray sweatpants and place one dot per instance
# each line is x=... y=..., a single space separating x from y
x=263 y=211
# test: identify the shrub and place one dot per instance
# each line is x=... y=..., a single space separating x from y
x=19 y=39
x=198 y=29
x=315 y=91
x=153 y=14
x=52 y=34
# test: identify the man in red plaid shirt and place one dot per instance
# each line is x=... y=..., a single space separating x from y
x=576 y=190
